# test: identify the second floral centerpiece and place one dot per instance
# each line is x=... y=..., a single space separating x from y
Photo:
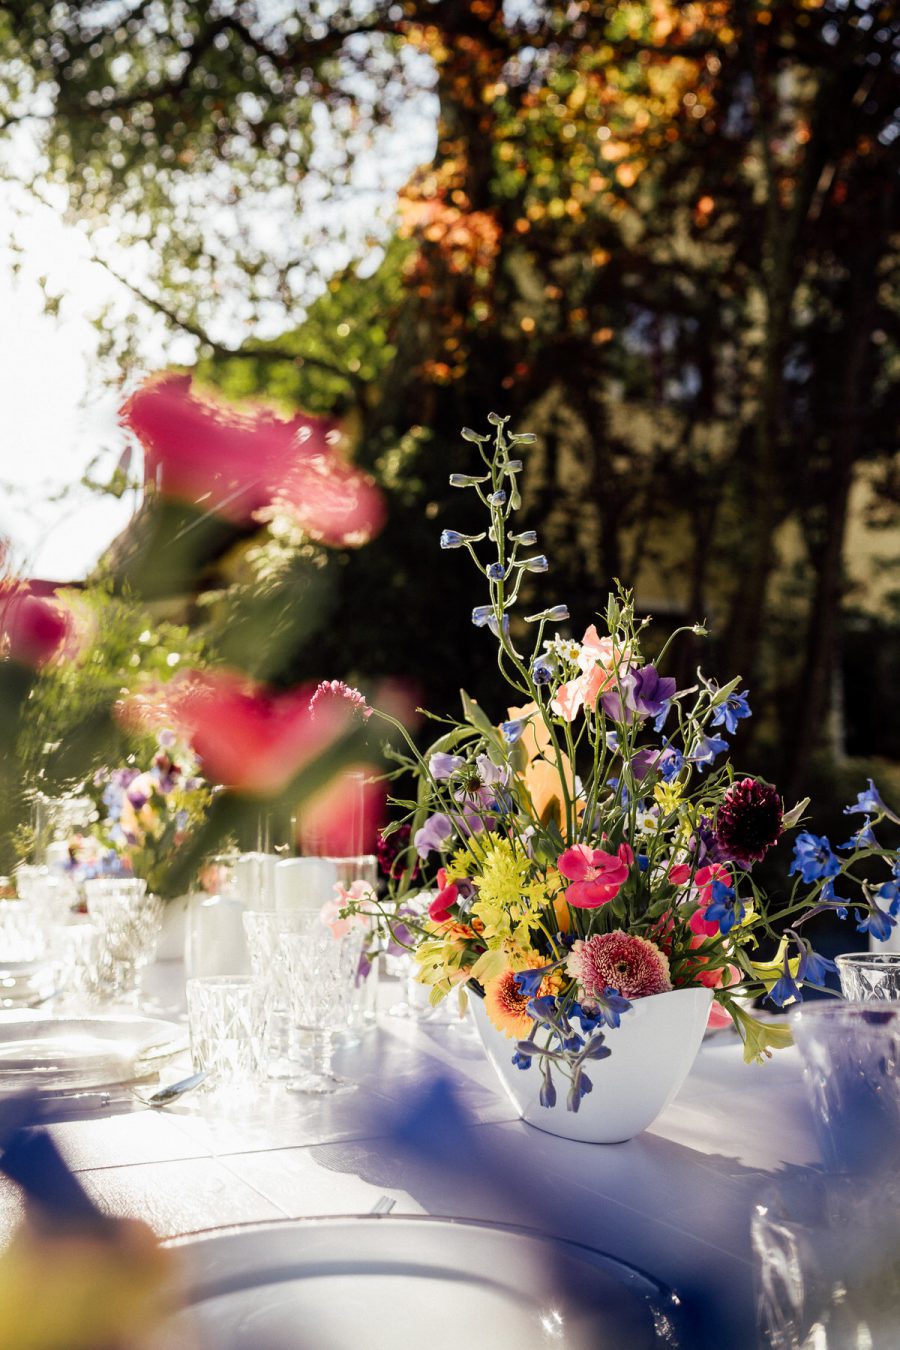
x=591 y=853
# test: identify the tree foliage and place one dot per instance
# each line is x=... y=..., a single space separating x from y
x=662 y=235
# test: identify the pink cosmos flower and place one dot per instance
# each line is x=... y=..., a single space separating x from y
x=598 y=660
x=596 y=877
x=631 y=965
x=703 y=880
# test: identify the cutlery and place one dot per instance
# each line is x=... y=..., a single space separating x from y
x=174 y=1090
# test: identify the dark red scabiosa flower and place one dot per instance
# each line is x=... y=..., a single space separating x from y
x=392 y=853
x=749 y=821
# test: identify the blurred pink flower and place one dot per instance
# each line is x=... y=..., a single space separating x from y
x=248 y=465
x=33 y=628
x=343 y=820
x=596 y=877
x=359 y=891
x=248 y=737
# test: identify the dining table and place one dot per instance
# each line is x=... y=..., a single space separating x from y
x=676 y=1202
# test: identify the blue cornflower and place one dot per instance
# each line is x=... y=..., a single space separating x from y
x=864 y=837
x=813 y=858
x=705 y=751
x=725 y=909
x=731 y=711
x=512 y=730
x=542 y=671
x=785 y=989
x=814 y=968
x=868 y=802
x=496 y=572
x=876 y=922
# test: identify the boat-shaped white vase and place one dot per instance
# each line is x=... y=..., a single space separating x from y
x=652 y=1052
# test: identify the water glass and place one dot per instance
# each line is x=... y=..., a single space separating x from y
x=263 y=932
x=827 y=1265
x=851 y=1067
x=129 y=922
x=321 y=971
x=868 y=976
x=226 y=1014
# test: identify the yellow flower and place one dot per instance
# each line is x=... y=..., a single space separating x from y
x=544 y=772
x=668 y=795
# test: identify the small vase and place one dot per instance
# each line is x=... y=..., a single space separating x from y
x=652 y=1053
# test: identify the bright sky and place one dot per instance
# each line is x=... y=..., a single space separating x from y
x=58 y=400
x=57 y=414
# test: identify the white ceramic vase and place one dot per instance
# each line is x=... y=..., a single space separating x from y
x=652 y=1053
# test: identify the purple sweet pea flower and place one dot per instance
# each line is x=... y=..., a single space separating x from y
x=649 y=693
x=442 y=765
x=433 y=835
x=643 y=761
x=491 y=773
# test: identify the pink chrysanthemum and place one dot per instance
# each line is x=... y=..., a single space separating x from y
x=332 y=689
x=749 y=820
x=631 y=965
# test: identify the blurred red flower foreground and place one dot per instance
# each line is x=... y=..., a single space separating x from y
x=248 y=465
x=33 y=628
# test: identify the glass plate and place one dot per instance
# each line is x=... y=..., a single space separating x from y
x=404 y=1283
x=44 y=1051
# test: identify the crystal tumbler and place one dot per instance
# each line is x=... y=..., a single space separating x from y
x=851 y=1067
x=227 y=1025
x=128 y=921
x=321 y=971
x=868 y=976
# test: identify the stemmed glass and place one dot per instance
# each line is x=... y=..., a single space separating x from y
x=129 y=921
x=321 y=971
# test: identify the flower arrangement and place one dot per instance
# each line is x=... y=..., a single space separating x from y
x=148 y=814
x=597 y=846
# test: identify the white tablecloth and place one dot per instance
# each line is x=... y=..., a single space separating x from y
x=675 y=1202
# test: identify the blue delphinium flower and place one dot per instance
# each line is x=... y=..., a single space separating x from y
x=542 y=671
x=840 y=904
x=555 y=614
x=725 y=909
x=529 y=981
x=548 y=1091
x=512 y=730
x=876 y=922
x=606 y=1011
x=497 y=498
x=527 y=538
x=581 y=1086
x=813 y=858
x=537 y=564
x=890 y=891
x=481 y=614
x=452 y=539
x=496 y=572
x=864 y=837
x=670 y=763
x=521 y=1058
x=868 y=802
x=814 y=968
x=705 y=751
x=731 y=711
x=785 y=989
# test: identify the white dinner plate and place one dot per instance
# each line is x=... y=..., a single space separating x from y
x=411 y=1283
x=24 y=983
x=43 y=1051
